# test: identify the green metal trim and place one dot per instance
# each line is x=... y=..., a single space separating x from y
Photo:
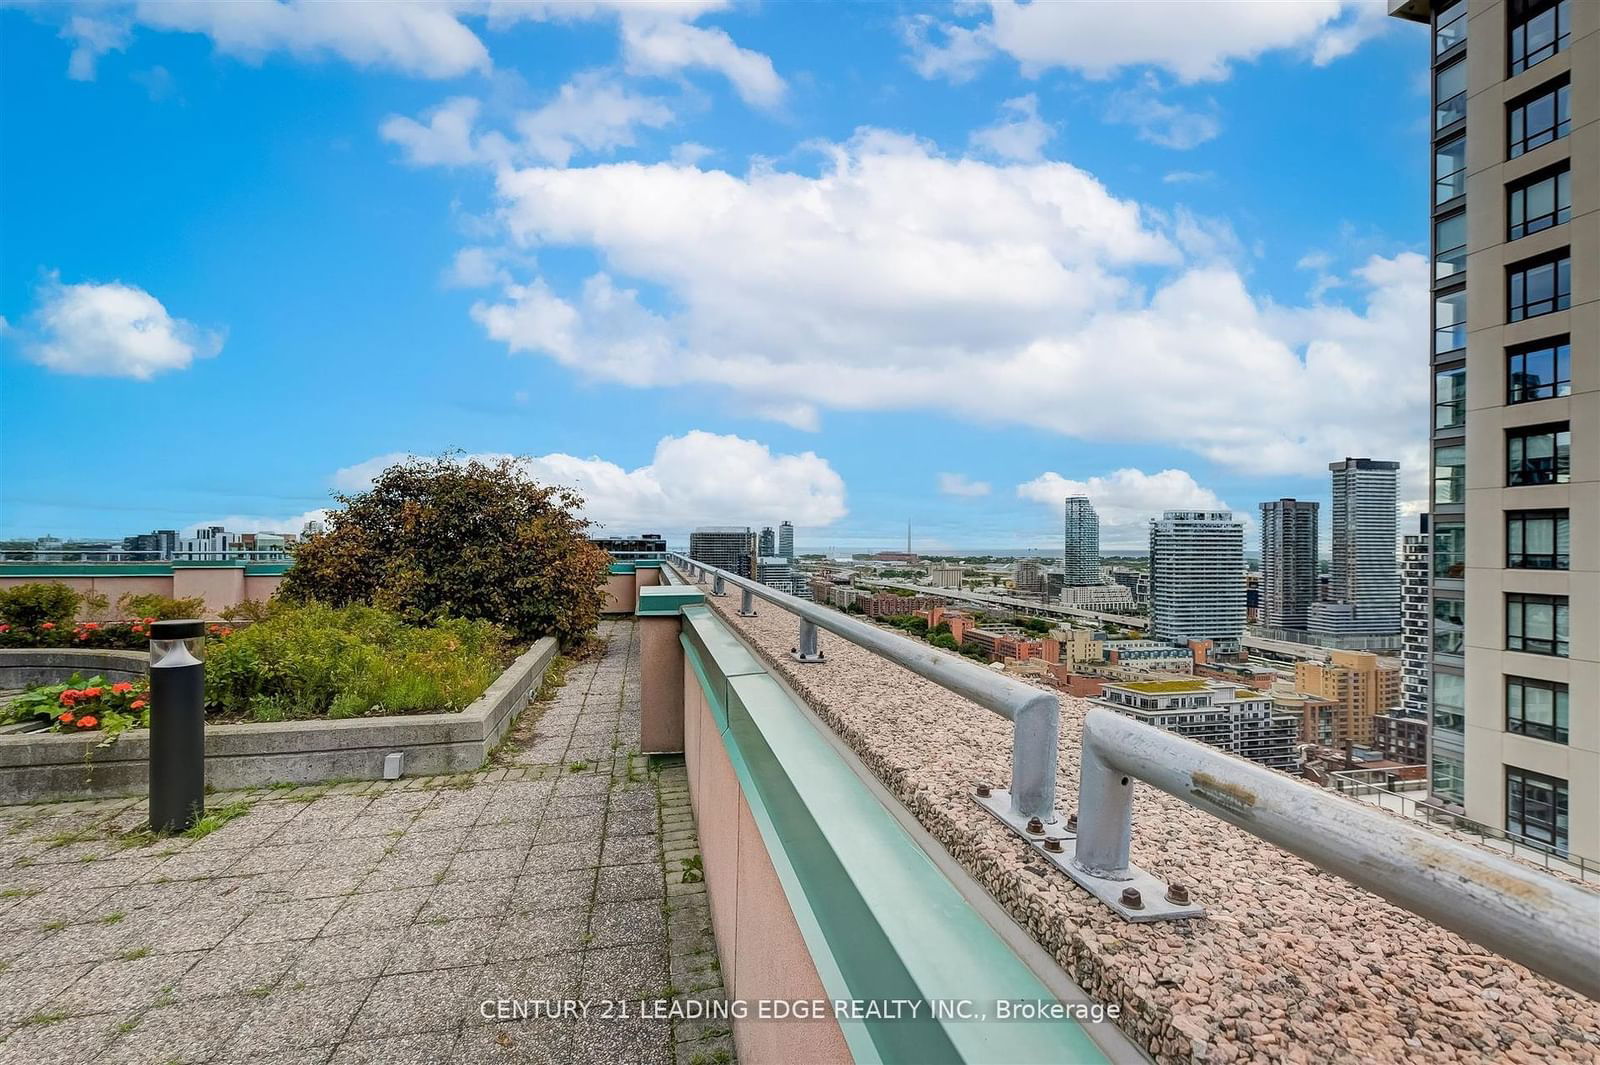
x=879 y=919
x=659 y=599
x=267 y=569
x=709 y=687
x=211 y=563
x=622 y=567
x=647 y=563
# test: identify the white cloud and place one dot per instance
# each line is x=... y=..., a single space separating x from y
x=802 y=416
x=446 y=139
x=873 y=284
x=1185 y=177
x=111 y=330
x=1020 y=134
x=591 y=114
x=476 y=268
x=272 y=523
x=652 y=45
x=698 y=478
x=1127 y=499
x=1097 y=38
x=690 y=153
x=959 y=484
x=92 y=38
x=424 y=39
x=1159 y=122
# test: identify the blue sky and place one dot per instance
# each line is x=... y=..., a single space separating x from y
x=846 y=265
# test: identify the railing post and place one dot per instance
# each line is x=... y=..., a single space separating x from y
x=747 y=604
x=1105 y=818
x=717 y=586
x=807 y=650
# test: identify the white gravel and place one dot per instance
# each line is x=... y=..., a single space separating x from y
x=1290 y=963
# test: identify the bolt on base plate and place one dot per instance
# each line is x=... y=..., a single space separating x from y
x=798 y=657
x=1152 y=892
x=747 y=614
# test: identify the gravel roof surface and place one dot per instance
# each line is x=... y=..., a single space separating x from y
x=1290 y=963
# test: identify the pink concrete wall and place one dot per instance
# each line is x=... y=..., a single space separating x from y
x=647 y=577
x=763 y=954
x=221 y=587
x=661 y=670
x=619 y=593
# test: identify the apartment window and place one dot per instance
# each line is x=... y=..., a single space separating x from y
x=1450 y=170
x=1446 y=778
x=1449 y=626
x=1450 y=95
x=1539 y=202
x=1450 y=474
x=1450 y=321
x=1449 y=702
x=1539 y=286
x=1450 y=549
x=1536 y=808
x=1450 y=398
x=1541 y=370
x=1534 y=120
x=1539 y=29
x=1539 y=454
x=1449 y=28
x=1537 y=624
x=1536 y=708
x=1538 y=539
x=1450 y=246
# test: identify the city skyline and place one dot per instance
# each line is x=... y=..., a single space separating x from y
x=440 y=333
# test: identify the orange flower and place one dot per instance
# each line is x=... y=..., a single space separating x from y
x=149 y=621
x=93 y=693
x=137 y=704
x=227 y=632
x=66 y=717
x=122 y=687
x=88 y=721
x=70 y=696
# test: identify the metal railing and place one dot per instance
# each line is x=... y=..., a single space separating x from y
x=117 y=554
x=1548 y=924
x=1432 y=812
x=1035 y=715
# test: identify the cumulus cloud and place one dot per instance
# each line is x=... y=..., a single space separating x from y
x=269 y=523
x=698 y=478
x=592 y=114
x=92 y=38
x=1126 y=499
x=1192 y=41
x=111 y=330
x=959 y=484
x=426 y=40
x=666 y=46
x=446 y=138
x=1020 y=134
x=874 y=284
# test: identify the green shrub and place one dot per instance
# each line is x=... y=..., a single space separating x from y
x=316 y=660
x=154 y=607
x=443 y=538
x=32 y=605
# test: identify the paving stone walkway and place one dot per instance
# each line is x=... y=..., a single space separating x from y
x=373 y=922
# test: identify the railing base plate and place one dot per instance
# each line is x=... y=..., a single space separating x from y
x=798 y=657
x=747 y=613
x=1152 y=891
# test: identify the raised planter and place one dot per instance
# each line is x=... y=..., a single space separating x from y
x=40 y=766
x=22 y=667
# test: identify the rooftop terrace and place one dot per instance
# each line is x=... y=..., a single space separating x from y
x=1290 y=963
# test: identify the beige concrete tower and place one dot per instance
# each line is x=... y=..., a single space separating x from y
x=1515 y=214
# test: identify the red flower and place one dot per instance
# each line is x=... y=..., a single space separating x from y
x=88 y=721
x=48 y=625
x=66 y=717
x=122 y=687
x=149 y=621
x=70 y=696
x=93 y=693
x=5 y=628
x=227 y=631
x=137 y=704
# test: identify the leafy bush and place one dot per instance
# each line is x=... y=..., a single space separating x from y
x=30 y=606
x=318 y=660
x=153 y=607
x=85 y=705
x=442 y=538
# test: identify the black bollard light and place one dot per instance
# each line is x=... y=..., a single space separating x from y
x=177 y=725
